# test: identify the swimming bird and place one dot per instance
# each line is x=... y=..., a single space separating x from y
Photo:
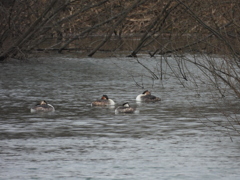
x=147 y=97
x=104 y=101
x=42 y=106
x=125 y=108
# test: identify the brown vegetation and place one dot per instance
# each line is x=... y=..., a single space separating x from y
x=154 y=26
x=160 y=26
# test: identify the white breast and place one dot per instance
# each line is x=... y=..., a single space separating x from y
x=139 y=97
x=111 y=102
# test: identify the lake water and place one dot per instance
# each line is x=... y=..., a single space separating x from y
x=165 y=140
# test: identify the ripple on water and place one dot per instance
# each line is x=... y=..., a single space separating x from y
x=166 y=139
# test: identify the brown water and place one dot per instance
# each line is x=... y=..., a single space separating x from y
x=165 y=140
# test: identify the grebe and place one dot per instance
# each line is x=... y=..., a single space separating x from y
x=147 y=97
x=104 y=101
x=125 y=108
x=43 y=106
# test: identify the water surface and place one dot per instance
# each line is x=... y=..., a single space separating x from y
x=165 y=140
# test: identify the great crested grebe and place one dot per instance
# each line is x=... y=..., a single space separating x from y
x=43 y=106
x=147 y=97
x=125 y=108
x=104 y=101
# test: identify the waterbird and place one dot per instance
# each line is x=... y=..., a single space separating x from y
x=104 y=101
x=42 y=106
x=147 y=97
x=125 y=108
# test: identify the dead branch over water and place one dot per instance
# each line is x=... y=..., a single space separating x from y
x=159 y=27
x=155 y=26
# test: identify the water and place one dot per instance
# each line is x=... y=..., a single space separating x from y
x=166 y=140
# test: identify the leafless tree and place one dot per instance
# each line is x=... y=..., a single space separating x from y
x=158 y=27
